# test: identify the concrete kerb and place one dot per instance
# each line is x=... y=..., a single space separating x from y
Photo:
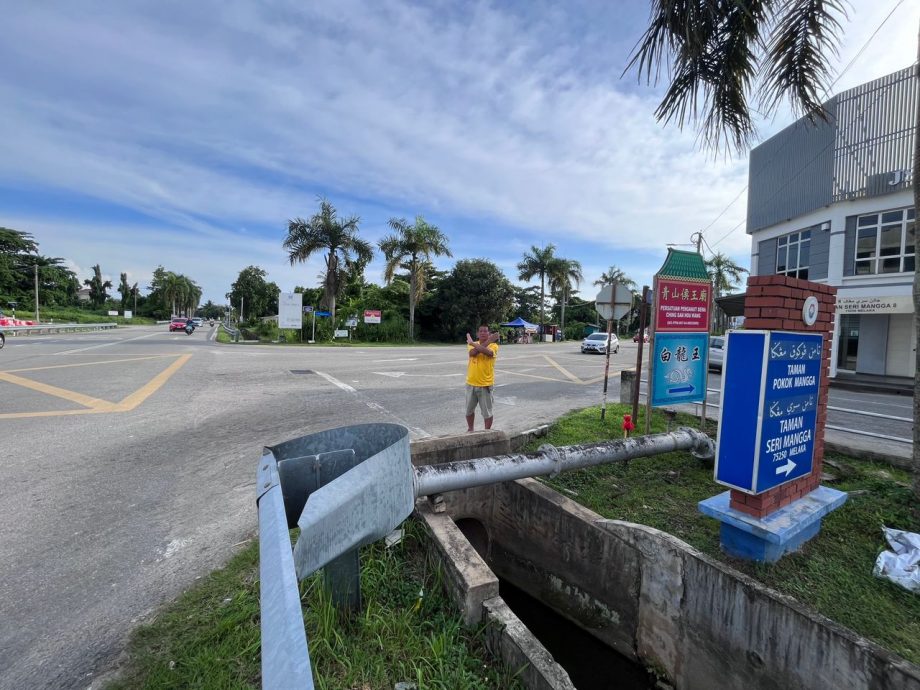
x=663 y=637
x=469 y=581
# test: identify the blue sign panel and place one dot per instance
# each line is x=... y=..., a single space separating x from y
x=770 y=389
x=679 y=368
x=322 y=313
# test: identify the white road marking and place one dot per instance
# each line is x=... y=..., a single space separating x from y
x=117 y=342
x=377 y=407
x=401 y=359
x=335 y=382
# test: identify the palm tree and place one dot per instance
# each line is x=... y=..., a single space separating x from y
x=538 y=262
x=724 y=275
x=97 y=287
x=124 y=290
x=615 y=275
x=325 y=231
x=561 y=274
x=411 y=249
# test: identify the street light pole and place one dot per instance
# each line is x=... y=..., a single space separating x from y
x=36 y=293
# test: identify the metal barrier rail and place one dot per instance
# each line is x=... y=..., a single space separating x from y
x=56 y=328
x=232 y=332
x=845 y=410
x=350 y=486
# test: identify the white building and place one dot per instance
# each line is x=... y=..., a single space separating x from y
x=833 y=203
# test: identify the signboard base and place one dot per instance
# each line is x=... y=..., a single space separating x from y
x=770 y=538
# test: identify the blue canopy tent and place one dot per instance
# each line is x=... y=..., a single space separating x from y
x=520 y=323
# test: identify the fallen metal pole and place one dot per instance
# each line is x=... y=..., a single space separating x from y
x=465 y=474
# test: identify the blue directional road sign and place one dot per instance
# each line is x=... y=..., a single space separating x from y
x=770 y=385
x=680 y=368
x=322 y=313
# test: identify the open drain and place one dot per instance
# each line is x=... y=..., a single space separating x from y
x=302 y=371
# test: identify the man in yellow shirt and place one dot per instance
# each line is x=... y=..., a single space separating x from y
x=480 y=375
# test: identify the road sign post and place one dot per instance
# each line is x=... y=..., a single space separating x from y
x=613 y=302
x=770 y=390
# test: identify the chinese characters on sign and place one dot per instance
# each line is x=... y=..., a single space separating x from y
x=682 y=305
x=679 y=368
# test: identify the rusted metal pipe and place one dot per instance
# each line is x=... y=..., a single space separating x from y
x=549 y=460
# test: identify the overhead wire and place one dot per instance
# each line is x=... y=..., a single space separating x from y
x=827 y=90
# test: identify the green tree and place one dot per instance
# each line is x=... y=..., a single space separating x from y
x=724 y=275
x=561 y=274
x=614 y=275
x=124 y=290
x=259 y=297
x=97 y=288
x=475 y=292
x=411 y=249
x=336 y=237
x=538 y=263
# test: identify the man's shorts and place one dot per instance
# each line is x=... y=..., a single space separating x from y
x=479 y=395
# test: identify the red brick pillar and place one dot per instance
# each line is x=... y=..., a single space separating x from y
x=774 y=303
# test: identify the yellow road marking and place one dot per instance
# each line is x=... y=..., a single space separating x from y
x=71 y=396
x=86 y=364
x=569 y=375
x=90 y=405
x=152 y=386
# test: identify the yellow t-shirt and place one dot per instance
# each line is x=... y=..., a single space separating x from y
x=481 y=369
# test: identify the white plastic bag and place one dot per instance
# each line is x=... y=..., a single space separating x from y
x=901 y=564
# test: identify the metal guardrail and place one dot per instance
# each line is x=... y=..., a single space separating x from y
x=232 y=332
x=41 y=328
x=845 y=410
x=351 y=486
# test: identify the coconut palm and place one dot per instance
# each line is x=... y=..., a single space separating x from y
x=337 y=237
x=561 y=274
x=615 y=275
x=97 y=287
x=411 y=249
x=724 y=275
x=718 y=53
x=537 y=263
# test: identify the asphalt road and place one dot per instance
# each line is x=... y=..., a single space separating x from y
x=131 y=455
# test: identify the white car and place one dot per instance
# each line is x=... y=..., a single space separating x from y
x=716 y=352
x=597 y=342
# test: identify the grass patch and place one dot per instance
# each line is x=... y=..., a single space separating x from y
x=832 y=574
x=223 y=336
x=408 y=631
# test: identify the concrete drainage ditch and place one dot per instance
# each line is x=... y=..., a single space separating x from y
x=645 y=594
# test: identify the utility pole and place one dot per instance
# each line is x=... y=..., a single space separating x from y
x=241 y=308
x=35 y=266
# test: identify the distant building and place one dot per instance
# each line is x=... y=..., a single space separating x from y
x=83 y=295
x=833 y=203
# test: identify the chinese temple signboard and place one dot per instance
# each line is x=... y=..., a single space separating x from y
x=681 y=306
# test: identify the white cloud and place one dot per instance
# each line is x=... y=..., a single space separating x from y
x=231 y=115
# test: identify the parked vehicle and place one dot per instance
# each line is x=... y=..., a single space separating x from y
x=716 y=352
x=2 y=340
x=177 y=324
x=597 y=342
x=644 y=339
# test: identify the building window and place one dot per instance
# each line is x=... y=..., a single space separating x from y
x=885 y=242
x=792 y=254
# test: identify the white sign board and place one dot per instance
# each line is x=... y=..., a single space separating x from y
x=128 y=313
x=902 y=304
x=113 y=313
x=341 y=333
x=290 y=310
x=372 y=316
x=614 y=301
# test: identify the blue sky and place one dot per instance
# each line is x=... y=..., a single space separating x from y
x=188 y=134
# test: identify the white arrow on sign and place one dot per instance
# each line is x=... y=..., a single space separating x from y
x=787 y=468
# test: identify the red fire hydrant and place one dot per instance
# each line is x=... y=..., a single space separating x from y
x=627 y=425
